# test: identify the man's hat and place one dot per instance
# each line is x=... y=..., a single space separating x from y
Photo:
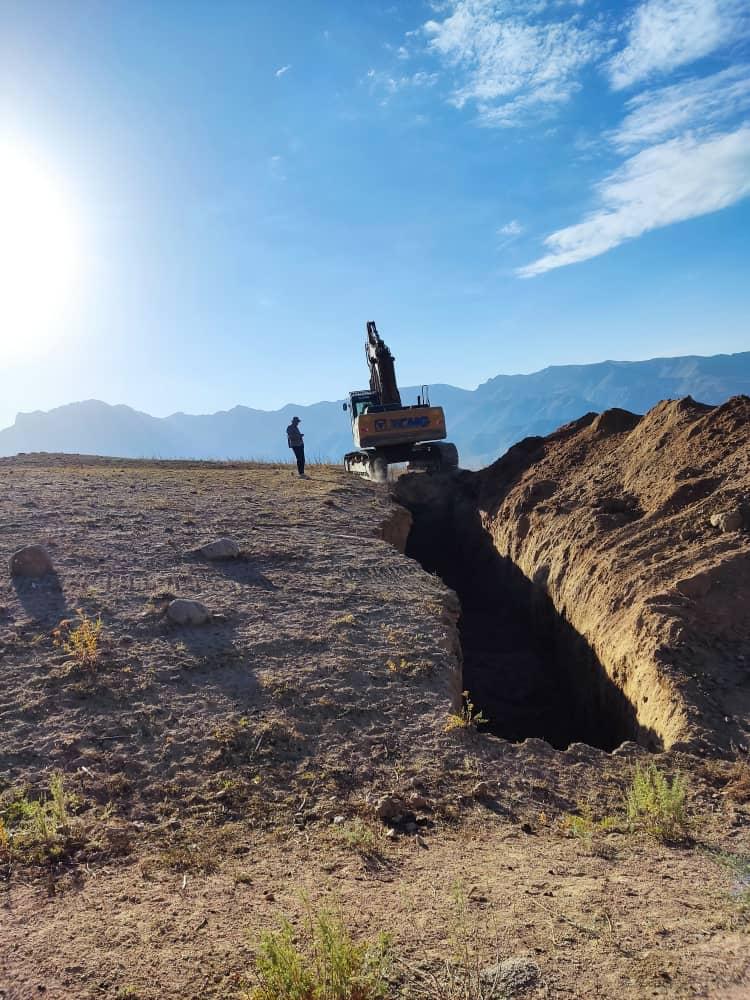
x=295 y=420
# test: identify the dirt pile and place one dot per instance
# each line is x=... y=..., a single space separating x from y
x=608 y=566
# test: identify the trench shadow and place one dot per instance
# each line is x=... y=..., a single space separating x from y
x=43 y=598
x=529 y=671
x=241 y=570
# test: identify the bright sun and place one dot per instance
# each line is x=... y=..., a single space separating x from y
x=39 y=253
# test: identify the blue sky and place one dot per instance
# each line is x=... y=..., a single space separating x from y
x=500 y=185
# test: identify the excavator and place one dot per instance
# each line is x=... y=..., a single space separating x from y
x=388 y=432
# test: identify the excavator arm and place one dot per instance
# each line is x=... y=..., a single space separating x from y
x=382 y=368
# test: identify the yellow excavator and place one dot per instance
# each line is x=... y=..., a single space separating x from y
x=386 y=431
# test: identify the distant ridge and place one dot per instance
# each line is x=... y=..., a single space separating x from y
x=483 y=422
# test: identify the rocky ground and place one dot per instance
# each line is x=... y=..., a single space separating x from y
x=302 y=743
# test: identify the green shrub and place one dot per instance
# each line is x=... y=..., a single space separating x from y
x=329 y=966
x=657 y=805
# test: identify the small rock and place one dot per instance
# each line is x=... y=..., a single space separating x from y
x=338 y=820
x=184 y=612
x=222 y=548
x=483 y=790
x=511 y=976
x=417 y=801
x=629 y=749
x=32 y=560
x=390 y=808
x=391 y=833
x=727 y=520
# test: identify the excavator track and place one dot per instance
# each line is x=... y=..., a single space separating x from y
x=433 y=457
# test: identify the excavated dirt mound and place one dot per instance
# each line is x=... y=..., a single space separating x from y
x=604 y=573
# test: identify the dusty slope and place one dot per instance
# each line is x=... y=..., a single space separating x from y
x=314 y=594
x=209 y=763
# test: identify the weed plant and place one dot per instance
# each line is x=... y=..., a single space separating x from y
x=328 y=965
x=657 y=805
x=466 y=718
x=80 y=641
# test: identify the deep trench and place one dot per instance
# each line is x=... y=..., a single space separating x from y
x=525 y=667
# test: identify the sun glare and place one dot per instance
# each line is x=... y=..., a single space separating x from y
x=39 y=253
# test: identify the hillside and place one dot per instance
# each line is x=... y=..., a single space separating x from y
x=304 y=738
x=483 y=422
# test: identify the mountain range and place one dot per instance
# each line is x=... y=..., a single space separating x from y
x=482 y=422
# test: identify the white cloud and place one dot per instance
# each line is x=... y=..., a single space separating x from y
x=392 y=84
x=282 y=70
x=676 y=180
x=511 y=60
x=665 y=34
x=512 y=228
x=699 y=103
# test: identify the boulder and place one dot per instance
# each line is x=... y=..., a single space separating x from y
x=185 y=612
x=32 y=560
x=222 y=548
x=727 y=520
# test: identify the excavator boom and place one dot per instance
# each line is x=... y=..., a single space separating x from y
x=382 y=368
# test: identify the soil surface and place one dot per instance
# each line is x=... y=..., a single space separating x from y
x=217 y=773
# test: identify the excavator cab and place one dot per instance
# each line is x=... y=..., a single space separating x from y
x=385 y=430
x=360 y=403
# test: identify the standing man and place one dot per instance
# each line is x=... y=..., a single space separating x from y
x=294 y=439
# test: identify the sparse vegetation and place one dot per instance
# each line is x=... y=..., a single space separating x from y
x=80 y=639
x=328 y=964
x=467 y=718
x=464 y=975
x=4 y=843
x=408 y=668
x=39 y=829
x=343 y=620
x=657 y=805
x=358 y=836
x=584 y=826
x=590 y=831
